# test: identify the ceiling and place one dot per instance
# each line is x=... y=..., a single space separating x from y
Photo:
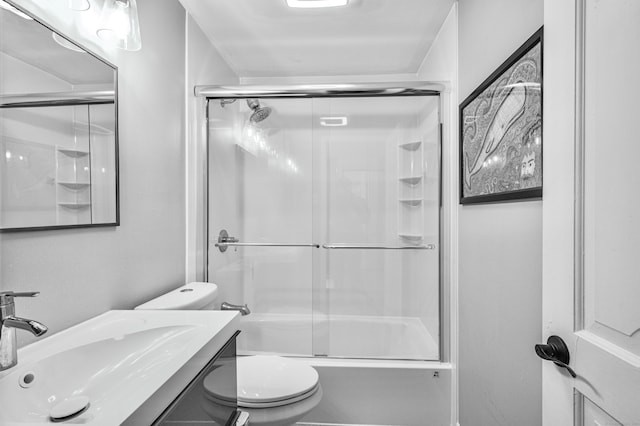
x=265 y=38
x=32 y=43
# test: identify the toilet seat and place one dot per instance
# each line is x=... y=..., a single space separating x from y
x=281 y=403
x=277 y=416
x=264 y=381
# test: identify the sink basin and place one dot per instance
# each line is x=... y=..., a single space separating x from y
x=115 y=361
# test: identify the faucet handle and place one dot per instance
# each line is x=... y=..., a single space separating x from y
x=7 y=296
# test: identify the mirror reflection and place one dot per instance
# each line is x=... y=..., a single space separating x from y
x=58 y=129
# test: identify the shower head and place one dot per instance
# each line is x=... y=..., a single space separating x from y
x=259 y=113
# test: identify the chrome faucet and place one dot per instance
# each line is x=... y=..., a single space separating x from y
x=244 y=309
x=8 y=325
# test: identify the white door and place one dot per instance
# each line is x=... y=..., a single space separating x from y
x=591 y=210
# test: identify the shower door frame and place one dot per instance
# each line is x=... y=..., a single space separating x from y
x=341 y=90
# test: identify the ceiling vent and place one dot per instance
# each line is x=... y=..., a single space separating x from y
x=316 y=3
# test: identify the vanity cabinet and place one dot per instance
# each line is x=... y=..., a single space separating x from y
x=195 y=406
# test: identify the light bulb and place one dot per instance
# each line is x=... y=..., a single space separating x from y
x=119 y=24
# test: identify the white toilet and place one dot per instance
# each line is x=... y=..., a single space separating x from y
x=276 y=391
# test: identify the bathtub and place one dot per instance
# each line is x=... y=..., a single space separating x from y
x=383 y=391
x=343 y=336
x=407 y=393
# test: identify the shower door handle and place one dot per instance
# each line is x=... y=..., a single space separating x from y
x=224 y=240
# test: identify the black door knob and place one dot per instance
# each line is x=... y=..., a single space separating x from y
x=557 y=351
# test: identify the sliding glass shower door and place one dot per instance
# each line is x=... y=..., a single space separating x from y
x=330 y=209
x=260 y=194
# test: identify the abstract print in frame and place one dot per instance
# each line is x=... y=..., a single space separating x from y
x=501 y=131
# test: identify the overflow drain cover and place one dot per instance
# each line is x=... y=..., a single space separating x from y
x=69 y=408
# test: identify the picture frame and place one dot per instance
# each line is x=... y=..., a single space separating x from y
x=501 y=131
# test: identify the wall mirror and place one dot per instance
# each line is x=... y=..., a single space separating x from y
x=58 y=129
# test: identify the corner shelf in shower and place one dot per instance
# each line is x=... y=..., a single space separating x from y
x=412 y=238
x=73 y=153
x=411 y=146
x=91 y=128
x=412 y=202
x=411 y=192
x=75 y=206
x=75 y=185
x=411 y=180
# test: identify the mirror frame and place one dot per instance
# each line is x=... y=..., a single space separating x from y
x=116 y=134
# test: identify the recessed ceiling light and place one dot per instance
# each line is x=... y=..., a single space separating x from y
x=316 y=3
x=333 y=121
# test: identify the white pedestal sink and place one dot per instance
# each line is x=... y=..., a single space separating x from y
x=119 y=361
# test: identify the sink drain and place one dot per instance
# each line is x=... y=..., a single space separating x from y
x=69 y=409
x=27 y=380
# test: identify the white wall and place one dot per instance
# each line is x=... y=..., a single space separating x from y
x=500 y=284
x=82 y=273
x=204 y=66
x=441 y=64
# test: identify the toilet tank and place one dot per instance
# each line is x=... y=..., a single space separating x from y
x=193 y=296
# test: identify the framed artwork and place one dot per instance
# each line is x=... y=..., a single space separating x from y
x=501 y=131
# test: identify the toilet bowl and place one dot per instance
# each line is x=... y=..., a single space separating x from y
x=264 y=381
x=276 y=391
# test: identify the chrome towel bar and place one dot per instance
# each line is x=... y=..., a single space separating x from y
x=225 y=241
x=265 y=245
x=346 y=246
x=327 y=246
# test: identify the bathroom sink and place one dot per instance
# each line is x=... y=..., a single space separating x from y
x=111 y=364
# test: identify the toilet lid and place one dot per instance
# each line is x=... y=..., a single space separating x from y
x=264 y=379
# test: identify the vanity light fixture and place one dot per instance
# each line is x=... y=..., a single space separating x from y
x=118 y=24
x=333 y=121
x=7 y=6
x=316 y=3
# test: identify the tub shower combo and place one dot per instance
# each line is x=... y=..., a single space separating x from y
x=324 y=217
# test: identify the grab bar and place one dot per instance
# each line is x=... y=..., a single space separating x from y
x=345 y=246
